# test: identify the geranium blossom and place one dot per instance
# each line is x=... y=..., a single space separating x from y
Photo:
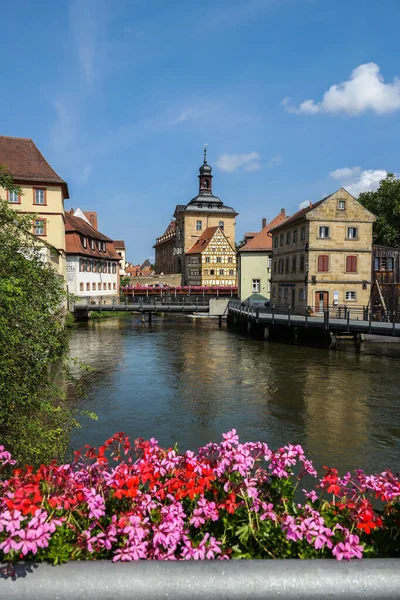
x=138 y=501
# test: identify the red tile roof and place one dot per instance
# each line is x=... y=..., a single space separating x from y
x=26 y=163
x=119 y=244
x=203 y=241
x=76 y=229
x=263 y=240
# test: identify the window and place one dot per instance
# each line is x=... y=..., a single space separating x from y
x=383 y=266
x=352 y=233
x=114 y=286
x=104 y=246
x=81 y=265
x=274 y=270
x=114 y=268
x=93 y=286
x=303 y=233
x=341 y=204
x=199 y=225
x=231 y=271
x=84 y=242
x=212 y=271
x=287 y=265
x=288 y=237
x=282 y=240
x=99 y=286
x=218 y=259
x=276 y=241
x=104 y=286
x=302 y=294
x=294 y=236
x=109 y=285
x=351 y=264
x=377 y=263
x=350 y=296
x=390 y=263
x=39 y=227
x=88 y=287
x=207 y=259
x=280 y=293
x=294 y=264
x=81 y=287
x=205 y=271
x=301 y=268
x=280 y=266
x=213 y=249
x=221 y=271
x=205 y=184
x=255 y=285
x=230 y=259
x=323 y=231
x=221 y=224
x=323 y=262
x=286 y=294
x=269 y=262
x=39 y=196
x=13 y=198
x=92 y=244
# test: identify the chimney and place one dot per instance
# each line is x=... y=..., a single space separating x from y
x=310 y=204
x=283 y=212
x=264 y=223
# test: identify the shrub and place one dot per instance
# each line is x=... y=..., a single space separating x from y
x=230 y=500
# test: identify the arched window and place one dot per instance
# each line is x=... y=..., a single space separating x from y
x=221 y=224
x=205 y=183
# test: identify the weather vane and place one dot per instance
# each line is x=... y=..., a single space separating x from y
x=205 y=153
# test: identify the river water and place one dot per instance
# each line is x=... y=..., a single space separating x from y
x=185 y=380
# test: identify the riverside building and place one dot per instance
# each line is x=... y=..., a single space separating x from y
x=42 y=195
x=191 y=221
x=92 y=261
x=322 y=255
x=211 y=260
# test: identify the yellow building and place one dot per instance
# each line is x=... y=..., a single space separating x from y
x=211 y=260
x=255 y=260
x=119 y=246
x=42 y=194
x=191 y=220
x=322 y=255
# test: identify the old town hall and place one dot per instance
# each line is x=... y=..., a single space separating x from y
x=204 y=215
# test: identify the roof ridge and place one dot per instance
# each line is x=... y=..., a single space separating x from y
x=13 y=137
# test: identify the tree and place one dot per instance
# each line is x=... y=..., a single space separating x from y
x=33 y=424
x=385 y=204
x=240 y=244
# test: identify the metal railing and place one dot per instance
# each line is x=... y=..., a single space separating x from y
x=370 y=579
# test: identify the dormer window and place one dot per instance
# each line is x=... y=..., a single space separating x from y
x=92 y=244
x=84 y=242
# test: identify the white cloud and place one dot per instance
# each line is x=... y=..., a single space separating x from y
x=185 y=115
x=356 y=181
x=304 y=204
x=345 y=173
x=231 y=162
x=365 y=90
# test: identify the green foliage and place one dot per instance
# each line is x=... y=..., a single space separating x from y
x=125 y=281
x=106 y=314
x=32 y=341
x=385 y=204
x=240 y=244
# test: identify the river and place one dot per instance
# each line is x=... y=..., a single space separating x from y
x=185 y=380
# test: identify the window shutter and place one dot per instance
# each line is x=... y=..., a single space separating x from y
x=320 y=263
x=351 y=264
x=323 y=262
x=326 y=263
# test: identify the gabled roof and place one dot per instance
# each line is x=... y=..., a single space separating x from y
x=263 y=240
x=119 y=244
x=204 y=240
x=300 y=214
x=26 y=163
x=76 y=229
x=73 y=223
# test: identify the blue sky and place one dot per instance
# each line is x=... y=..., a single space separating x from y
x=121 y=96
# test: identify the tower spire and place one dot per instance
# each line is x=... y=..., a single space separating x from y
x=205 y=153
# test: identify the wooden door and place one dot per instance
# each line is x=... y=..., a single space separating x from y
x=321 y=301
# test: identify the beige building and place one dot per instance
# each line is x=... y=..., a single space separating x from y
x=191 y=221
x=255 y=261
x=42 y=195
x=211 y=260
x=322 y=255
x=119 y=246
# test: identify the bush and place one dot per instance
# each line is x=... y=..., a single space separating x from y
x=230 y=500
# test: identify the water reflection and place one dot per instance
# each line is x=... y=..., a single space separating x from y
x=186 y=380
